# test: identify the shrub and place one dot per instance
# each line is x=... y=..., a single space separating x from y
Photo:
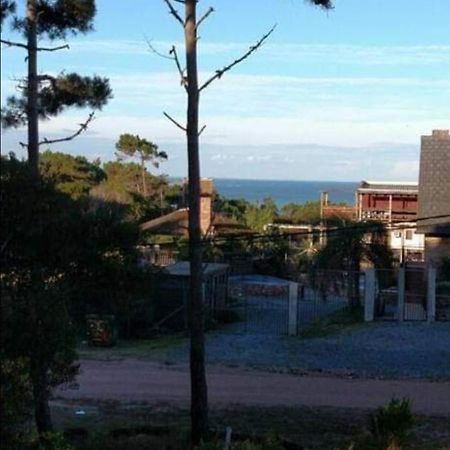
x=391 y=425
x=54 y=441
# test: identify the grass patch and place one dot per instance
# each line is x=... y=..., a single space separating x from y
x=344 y=319
x=131 y=427
x=133 y=348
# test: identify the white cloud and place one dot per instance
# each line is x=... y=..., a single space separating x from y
x=342 y=53
x=335 y=126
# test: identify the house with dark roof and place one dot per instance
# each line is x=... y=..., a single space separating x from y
x=212 y=223
x=434 y=196
x=176 y=223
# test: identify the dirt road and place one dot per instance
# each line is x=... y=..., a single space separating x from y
x=143 y=381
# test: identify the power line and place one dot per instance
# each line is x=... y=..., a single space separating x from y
x=364 y=226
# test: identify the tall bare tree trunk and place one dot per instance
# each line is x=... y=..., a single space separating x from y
x=199 y=394
x=32 y=100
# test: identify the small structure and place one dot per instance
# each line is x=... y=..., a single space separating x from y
x=214 y=282
x=101 y=330
x=406 y=243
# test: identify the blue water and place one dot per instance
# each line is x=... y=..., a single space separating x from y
x=283 y=192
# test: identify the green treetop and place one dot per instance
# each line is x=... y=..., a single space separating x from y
x=131 y=146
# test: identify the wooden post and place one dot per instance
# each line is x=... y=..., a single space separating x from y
x=401 y=294
x=390 y=209
x=369 y=295
x=431 y=294
x=293 y=309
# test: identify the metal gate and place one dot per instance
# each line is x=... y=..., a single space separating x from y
x=325 y=293
x=415 y=294
x=386 y=294
x=260 y=304
x=401 y=294
x=257 y=304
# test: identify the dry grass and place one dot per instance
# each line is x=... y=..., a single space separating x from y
x=133 y=348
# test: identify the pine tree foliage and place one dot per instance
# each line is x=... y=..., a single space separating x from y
x=133 y=146
x=42 y=96
x=59 y=18
x=130 y=145
x=7 y=7
x=326 y=4
x=58 y=93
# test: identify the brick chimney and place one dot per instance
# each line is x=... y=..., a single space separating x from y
x=206 y=193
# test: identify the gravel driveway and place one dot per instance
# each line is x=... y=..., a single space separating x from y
x=388 y=349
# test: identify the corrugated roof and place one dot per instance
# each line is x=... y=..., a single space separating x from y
x=389 y=186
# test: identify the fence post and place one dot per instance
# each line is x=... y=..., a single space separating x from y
x=369 y=295
x=293 y=309
x=431 y=294
x=401 y=294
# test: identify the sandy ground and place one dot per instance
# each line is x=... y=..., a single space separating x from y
x=144 y=381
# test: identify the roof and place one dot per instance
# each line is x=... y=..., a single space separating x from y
x=400 y=187
x=183 y=268
x=171 y=218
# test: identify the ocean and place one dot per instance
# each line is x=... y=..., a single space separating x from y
x=283 y=192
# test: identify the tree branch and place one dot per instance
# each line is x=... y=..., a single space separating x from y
x=173 y=56
x=175 y=122
x=52 y=49
x=156 y=52
x=252 y=49
x=174 y=12
x=204 y=17
x=14 y=44
x=173 y=51
x=39 y=49
x=83 y=127
x=202 y=129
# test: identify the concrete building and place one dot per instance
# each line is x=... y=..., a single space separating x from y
x=434 y=196
x=406 y=243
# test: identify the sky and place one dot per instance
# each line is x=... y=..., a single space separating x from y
x=341 y=95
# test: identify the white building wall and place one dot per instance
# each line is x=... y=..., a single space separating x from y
x=404 y=237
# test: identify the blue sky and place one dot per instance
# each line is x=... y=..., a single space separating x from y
x=340 y=95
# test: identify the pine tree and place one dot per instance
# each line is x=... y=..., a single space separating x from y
x=130 y=145
x=42 y=95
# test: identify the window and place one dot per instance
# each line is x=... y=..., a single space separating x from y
x=397 y=234
x=408 y=235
